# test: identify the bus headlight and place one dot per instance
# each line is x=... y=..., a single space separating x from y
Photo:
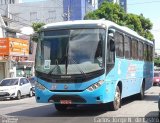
x=95 y=86
x=39 y=86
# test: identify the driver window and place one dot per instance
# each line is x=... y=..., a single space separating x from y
x=110 y=54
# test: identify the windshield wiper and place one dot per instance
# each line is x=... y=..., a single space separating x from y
x=57 y=64
x=66 y=57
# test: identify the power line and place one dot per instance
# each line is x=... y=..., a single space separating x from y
x=36 y=6
x=72 y=6
x=15 y=15
x=11 y=20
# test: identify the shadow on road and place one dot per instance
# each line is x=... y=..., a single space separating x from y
x=151 y=98
x=151 y=118
x=133 y=98
x=50 y=111
x=80 y=111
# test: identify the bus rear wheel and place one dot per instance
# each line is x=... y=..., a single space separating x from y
x=141 y=95
x=61 y=107
x=116 y=104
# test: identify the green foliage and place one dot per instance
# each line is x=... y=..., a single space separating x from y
x=157 y=62
x=109 y=11
x=36 y=27
x=115 y=13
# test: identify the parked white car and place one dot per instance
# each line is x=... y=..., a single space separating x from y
x=15 y=88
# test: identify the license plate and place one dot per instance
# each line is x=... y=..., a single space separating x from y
x=65 y=101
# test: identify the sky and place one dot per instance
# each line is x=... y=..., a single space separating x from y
x=31 y=0
x=149 y=8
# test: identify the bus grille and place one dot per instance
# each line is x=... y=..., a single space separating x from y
x=73 y=98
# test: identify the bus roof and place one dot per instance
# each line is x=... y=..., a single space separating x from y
x=107 y=23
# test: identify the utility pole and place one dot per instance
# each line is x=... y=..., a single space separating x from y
x=68 y=14
x=7 y=14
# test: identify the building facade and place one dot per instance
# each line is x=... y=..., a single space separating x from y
x=50 y=11
x=2 y=2
x=12 y=50
x=24 y=14
x=123 y=4
x=76 y=9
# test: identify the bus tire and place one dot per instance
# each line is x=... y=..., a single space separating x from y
x=140 y=96
x=116 y=104
x=61 y=107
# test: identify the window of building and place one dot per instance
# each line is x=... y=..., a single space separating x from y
x=33 y=16
x=15 y=16
x=51 y=14
x=90 y=1
x=122 y=3
x=10 y=2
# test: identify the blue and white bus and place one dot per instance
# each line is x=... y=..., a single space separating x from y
x=91 y=62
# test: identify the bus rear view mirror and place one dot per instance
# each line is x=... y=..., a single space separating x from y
x=112 y=45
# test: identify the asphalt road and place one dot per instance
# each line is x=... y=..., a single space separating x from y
x=27 y=110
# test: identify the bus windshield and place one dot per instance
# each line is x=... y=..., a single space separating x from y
x=70 y=51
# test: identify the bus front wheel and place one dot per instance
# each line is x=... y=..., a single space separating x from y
x=116 y=104
x=61 y=107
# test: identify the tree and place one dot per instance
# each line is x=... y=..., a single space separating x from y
x=36 y=27
x=157 y=62
x=115 y=13
x=146 y=26
x=109 y=11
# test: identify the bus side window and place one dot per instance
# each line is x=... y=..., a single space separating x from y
x=119 y=44
x=127 y=46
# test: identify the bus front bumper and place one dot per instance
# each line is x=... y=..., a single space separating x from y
x=98 y=96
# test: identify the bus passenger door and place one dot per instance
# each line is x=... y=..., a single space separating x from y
x=110 y=51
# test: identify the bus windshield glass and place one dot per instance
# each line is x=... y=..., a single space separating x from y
x=73 y=51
